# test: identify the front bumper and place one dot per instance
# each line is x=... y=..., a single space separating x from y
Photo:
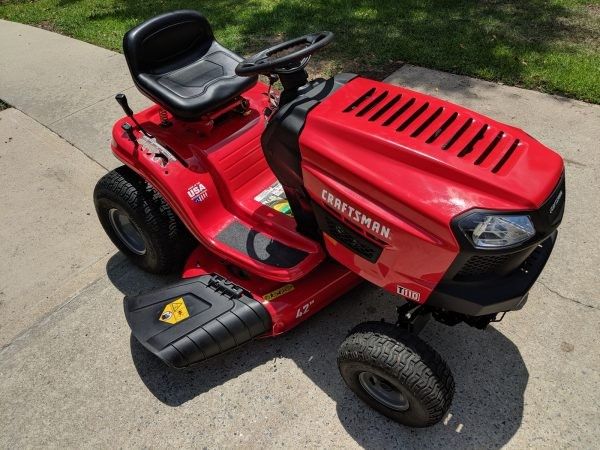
x=497 y=294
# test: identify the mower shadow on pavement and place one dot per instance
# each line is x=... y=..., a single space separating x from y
x=490 y=374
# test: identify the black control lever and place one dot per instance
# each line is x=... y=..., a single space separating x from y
x=122 y=100
x=128 y=129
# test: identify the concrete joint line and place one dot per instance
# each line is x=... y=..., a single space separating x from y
x=106 y=169
x=48 y=317
x=63 y=138
x=86 y=107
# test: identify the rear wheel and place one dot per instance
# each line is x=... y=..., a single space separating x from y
x=140 y=223
x=396 y=373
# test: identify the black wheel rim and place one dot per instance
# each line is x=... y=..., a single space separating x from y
x=383 y=392
x=127 y=232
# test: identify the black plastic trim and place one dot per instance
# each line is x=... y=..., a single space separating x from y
x=506 y=287
x=501 y=294
x=544 y=221
x=281 y=146
x=346 y=236
x=222 y=317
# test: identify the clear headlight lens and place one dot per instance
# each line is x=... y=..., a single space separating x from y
x=496 y=231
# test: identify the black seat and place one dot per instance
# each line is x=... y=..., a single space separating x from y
x=175 y=61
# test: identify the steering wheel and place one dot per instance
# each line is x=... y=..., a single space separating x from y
x=266 y=61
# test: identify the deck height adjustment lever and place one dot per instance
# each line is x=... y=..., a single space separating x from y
x=148 y=142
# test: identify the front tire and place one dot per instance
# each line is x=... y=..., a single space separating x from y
x=396 y=373
x=140 y=222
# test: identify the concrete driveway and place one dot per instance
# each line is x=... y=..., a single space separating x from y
x=71 y=376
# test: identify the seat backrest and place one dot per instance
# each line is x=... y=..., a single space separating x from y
x=167 y=42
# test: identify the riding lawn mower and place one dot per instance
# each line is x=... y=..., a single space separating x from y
x=274 y=202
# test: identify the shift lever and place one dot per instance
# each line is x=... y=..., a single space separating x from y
x=122 y=100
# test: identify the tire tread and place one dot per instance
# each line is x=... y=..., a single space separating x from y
x=171 y=241
x=406 y=357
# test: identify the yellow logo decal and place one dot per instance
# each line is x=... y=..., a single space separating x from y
x=174 y=312
x=278 y=292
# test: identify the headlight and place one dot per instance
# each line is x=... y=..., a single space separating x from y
x=496 y=231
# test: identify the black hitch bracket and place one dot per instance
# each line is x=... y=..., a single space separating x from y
x=412 y=317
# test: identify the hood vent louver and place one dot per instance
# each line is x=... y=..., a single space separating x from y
x=489 y=148
x=427 y=122
x=458 y=134
x=506 y=156
x=469 y=147
x=421 y=119
x=372 y=105
x=359 y=100
x=442 y=128
x=399 y=112
x=385 y=108
x=412 y=118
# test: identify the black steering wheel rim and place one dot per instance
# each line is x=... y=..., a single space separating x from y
x=262 y=63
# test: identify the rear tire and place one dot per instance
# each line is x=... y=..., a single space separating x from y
x=396 y=373
x=140 y=222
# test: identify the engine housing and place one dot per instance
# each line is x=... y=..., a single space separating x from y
x=389 y=169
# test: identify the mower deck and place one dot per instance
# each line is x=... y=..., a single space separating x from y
x=213 y=309
x=288 y=304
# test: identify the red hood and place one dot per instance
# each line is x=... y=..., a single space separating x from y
x=422 y=150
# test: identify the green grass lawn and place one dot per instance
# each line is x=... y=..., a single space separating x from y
x=548 y=45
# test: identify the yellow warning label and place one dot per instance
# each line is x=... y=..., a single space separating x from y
x=278 y=292
x=174 y=312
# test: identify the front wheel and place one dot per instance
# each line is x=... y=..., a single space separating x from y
x=396 y=373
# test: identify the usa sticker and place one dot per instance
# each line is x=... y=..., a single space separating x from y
x=197 y=192
x=408 y=293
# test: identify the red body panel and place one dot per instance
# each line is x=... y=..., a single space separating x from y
x=376 y=153
x=289 y=303
x=227 y=160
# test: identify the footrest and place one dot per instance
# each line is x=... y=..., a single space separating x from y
x=260 y=247
x=195 y=319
